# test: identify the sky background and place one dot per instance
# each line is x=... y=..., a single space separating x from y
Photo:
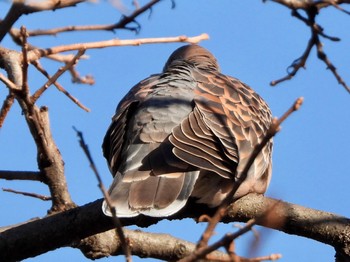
x=252 y=41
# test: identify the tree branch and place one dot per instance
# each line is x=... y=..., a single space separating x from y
x=21 y=175
x=42 y=197
x=122 y=24
x=49 y=159
x=20 y=8
x=143 y=244
x=312 y=9
x=37 y=237
x=38 y=53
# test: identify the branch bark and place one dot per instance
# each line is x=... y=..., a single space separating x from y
x=37 y=237
x=49 y=158
x=20 y=8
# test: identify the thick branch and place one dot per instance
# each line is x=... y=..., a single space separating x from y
x=49 y=159
x=75 y=224
x=143 y=244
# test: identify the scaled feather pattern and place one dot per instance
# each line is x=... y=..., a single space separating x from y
x=185 y=133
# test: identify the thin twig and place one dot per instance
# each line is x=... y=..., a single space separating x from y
x=59 y=86
x=76 y=78
x=301 y=61
x=38 y=53
x=312 y=10
x=221 y=211
x=21 y=175
x=116 y=221
x=6 y=106
x=227 y=240
x=111 y=27
x=323 y=57
x=54 y=78
x=340 y=8
x=44 y=198
x=19 y=8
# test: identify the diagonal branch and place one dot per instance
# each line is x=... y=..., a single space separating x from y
x=6 y=106
x=116 y=220
x=53 y=79
x=44 y=198
x=59 y=86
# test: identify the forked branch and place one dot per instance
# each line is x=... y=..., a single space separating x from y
x=312 y=9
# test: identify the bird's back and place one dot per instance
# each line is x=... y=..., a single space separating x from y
x=186 y=132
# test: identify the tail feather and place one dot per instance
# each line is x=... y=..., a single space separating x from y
x=156 y=196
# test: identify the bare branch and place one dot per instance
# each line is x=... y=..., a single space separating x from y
x=54 y=78
x=122 y=24
x=116 y=220
x=307 y=4
x=20 y=175
x=59 y=86
x=44 y=198
x=49 y=159
x=25 y=86
x=8 y=82
x=312 y=10
x=322 y=56
x=76 y=78
x=20 y=8
x=6 y=106
x=38 y=53
x=76 y=224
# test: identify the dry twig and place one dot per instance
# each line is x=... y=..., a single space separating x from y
x=312 y=10
x=122 y=24
x=53 y=79
x=38 y=53
x=6 y=106
x=21 y=175
x=76 y=78
x=20 y=8
x=116 y=221
x=44 y=198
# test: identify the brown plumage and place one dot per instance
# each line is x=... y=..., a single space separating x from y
x=186 y=132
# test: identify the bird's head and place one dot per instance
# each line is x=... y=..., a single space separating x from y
x=195 y=54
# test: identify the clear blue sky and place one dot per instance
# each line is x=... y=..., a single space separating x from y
x=253 y=41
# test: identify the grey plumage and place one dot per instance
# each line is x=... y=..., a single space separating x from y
x=186 y=132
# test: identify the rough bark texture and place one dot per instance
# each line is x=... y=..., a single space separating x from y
x=37 y=237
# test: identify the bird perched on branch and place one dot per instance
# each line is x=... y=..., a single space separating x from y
x=185 y=133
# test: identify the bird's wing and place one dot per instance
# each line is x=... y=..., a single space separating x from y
x=229 y=119
x=149 y=179
x=115 y=136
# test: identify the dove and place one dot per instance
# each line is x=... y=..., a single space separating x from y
x=184 y=133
